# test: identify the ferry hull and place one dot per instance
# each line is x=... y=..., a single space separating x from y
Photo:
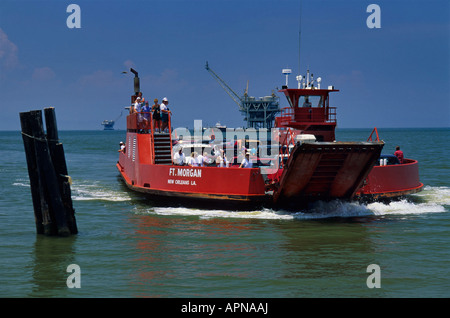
x=188 y=188
x=391 y=182
x=209 y=183
x=316 y=171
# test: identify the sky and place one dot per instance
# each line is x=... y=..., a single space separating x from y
x=397 y=75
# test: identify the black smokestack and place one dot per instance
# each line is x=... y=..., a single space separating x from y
x=137 y=87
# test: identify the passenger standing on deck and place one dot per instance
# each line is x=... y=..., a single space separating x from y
x=399 y=154
x=140 y=100
x=164 y=114
x=179 y=158
x=137 y=109
x=201 y=159
x=156 y=116
x=221 y=160
x=216 y=151
x=137 y=105
x=225 y=163
x=146 y=114
x=140 y=97
x=192 y=160
x=247 y=162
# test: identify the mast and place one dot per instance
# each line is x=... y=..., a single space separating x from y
x=299 y=37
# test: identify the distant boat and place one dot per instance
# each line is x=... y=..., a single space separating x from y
x=109 y=124
x=220 y=126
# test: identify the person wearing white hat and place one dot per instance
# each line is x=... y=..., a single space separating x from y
x=247 y=162
x=164 y=113
x=122 y=147
x=138 y=110
x=138 y=102
x=136 y=107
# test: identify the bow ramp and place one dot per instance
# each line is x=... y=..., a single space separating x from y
x=326 y=170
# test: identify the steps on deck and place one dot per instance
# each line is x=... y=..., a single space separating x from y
x=163 y=151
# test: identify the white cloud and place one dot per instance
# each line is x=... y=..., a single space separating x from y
x=43 y=74
x=129 y=64
x=8 y=52
x=98 y=79
x=167 y=78
x=104 y=82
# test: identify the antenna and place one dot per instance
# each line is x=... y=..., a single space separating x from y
x=299 y=80
x=299 y=37
x=307 y=78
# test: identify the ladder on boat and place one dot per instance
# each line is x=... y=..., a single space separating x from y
x=163 y=151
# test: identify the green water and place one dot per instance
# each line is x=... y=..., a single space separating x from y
x=128 y=248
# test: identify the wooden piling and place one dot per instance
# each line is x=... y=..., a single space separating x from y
x=32 y=170
x=50 y=188
x=59 y=162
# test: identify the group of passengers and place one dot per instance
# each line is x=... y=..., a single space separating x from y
x=196 y=160
x=160 y=112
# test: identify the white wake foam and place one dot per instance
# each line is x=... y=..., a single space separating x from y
x=86 y=191
x=438 y=195
x=205 y=214
x=21 y=184
x=431 y=200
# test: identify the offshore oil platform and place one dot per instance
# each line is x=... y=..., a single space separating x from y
x=258 y=112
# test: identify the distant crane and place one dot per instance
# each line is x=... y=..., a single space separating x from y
x=259 y=113
x=228 y=90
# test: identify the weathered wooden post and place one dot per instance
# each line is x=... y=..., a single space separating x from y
x=30 y=154
x=50 y=188
x=59 y=163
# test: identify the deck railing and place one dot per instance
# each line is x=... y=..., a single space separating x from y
x=287 y=142
x=169 y=126
x=142 y=123
x=306 y=115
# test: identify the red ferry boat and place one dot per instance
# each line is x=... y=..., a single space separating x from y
x=308 y=163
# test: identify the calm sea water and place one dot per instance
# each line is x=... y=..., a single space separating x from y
x=128 y=248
